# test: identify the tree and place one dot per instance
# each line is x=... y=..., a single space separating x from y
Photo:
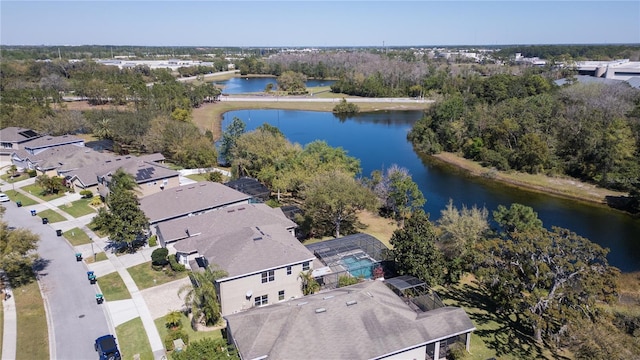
x=292 y=82
x=345 y=108
x=332 y=200
x=200 y=296
x=404 y=196
x=159 y=256
x=17 y=253
x=548 y=279
x=516 y=218
x=309 y=284
x=229 y=138
x=50 y=185
x=415 y=252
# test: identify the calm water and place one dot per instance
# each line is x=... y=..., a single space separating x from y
x=241 y=85
x=379 y=140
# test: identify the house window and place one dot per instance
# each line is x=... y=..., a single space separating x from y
x=261 y=300
x=268 y=276
x=288 y=270
x=305 y=266
x=281 y=295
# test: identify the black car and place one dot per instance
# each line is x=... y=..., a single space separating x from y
x=107 y=348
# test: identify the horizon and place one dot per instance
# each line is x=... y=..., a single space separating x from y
x=319 y=24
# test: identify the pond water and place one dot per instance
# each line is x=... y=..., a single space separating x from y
x=379 y=140
x=241 y=85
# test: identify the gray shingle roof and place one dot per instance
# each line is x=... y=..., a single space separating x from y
x=248 y=250
x=48 y=141
x=378 y=323
x=187 y=199
x=223 y=220
x=17 y=134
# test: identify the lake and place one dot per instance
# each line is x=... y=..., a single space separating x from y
x=379 y=140
x=242 y=85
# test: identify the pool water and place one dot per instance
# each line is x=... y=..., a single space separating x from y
x=358 y=267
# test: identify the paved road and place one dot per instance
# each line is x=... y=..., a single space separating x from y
x=73 y=314
x=273 y=98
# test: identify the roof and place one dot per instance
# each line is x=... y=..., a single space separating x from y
x=49 y=141
x=223 y=220
x=189 y=199
x=17 y=134
x=362 y=321
x=247 y=250
x=65 y=158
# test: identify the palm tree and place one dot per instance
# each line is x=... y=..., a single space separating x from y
x=121 y=180
x=173 y=319
x=201 y=296
x=309 y=283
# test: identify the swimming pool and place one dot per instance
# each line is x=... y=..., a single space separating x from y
x=358 y=266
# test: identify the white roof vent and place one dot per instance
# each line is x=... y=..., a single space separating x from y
x=351 y=302
x=320 y=310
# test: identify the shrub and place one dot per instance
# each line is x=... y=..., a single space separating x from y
x=346 y=280
x=174 y=264
x=174 y=335
x=96 y=201
x=159 y=256
x=32 y=173
x=86 y=194
x=457 y=351
x=215 y=176
x=153 y=240
x=346 y=108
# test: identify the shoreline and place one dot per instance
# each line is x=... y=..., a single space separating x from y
x=209 y=117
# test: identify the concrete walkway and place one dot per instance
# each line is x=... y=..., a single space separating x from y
x=119 y=311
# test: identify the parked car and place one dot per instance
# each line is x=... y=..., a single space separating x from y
x=4 y=197
x=107 y=348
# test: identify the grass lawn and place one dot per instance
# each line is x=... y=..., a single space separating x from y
x=132 y=340
x=36 y=190
x=24 y=199
x=198 y=177
x=1 y=327
x=76 y=236
x=33 y=335
x=112 y=287
x=9 y=179
x=101 y=256
x=100 y=233
x=53 y=216
x=186 y=326
x=145 y=277
x=78 y=208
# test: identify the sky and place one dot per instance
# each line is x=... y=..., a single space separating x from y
x=318 y=23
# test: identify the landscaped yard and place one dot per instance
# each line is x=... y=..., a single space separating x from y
x=98 y=257
x=186 y=327
x=24 y=199
x=78 y=208
x=51 y=215
x=33 y=336
x=132 y=340
x=76 y=236
x=36 y=190
x=145 y=277
x=112 y=287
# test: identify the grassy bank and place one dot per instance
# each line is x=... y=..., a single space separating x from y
x=33 y=334
x=557 y=186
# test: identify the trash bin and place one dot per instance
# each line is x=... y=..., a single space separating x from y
x=78 y=256
x=90 y=274
x=19 y=203
x=45 y=220
x=92 y=280
x=99 y=298
x=59 y=232
x=33 y=213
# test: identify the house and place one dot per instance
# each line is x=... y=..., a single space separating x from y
x=13 y=138
x=262 y=262
x=225 y=219
x=363 y=321
x=24 y=142
x=189 y=200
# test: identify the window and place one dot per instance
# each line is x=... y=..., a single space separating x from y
x=288 y=270
x=281 y=295
x=261 y=300
x=305 y=266
x=268 y=276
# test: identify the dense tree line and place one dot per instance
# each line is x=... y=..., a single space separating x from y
x=524 y=123
x=572 y=52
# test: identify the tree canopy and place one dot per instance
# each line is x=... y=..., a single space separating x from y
x=17 y=253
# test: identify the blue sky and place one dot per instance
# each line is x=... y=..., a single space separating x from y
x=318 y=23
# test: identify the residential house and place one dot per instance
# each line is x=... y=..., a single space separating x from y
x=13 y=138
x=189 y=200
x=262 y=262
x=363 y=321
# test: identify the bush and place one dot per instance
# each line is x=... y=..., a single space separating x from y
x=346 y=108
x=457 y=351
x=159 y=257
x=96 y=201
x=174 y=264
x=346 y=280
x=174 y=335
x=153 y=240
x=215 y=176
x=86 y=194
x=32 y=173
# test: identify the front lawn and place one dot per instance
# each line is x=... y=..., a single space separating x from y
x=24 y=199
x=38 y=191
x=78 y=208
x=51 y=215
x=132 y=340
x=33 y=336
x=98 y=257
x=145 y=277
x=112 y=287
x=186 y=327
x=76 y=236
